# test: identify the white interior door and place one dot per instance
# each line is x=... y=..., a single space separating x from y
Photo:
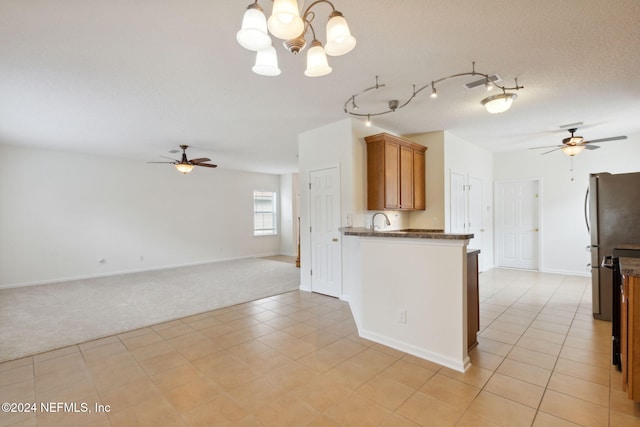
x=475 y=221
x=326 y=266
x=517 y=224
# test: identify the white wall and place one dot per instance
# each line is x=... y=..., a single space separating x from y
x=62 y=212
x=564 y=235
x=289 y=191
x=433 y=217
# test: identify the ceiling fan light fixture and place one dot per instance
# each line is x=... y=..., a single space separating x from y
x=317 y=64
x=339 y=38
x=184 y=168
x=285 y=22
x=573 y=140
x=253 y=35
x=496 y=104
x=572 y=150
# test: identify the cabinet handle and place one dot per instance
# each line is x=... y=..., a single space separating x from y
x=334 y=239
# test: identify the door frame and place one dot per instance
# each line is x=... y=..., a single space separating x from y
x=496 y=227
x=450 y=228
x=309 y=210
x=481 y=228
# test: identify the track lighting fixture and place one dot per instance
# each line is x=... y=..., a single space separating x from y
x=286 y=23
x=434 y=94
x=494 y=104
x=354 y=107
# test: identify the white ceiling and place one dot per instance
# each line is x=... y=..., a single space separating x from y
x=136 y=78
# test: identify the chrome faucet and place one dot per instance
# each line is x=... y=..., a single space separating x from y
x=373 y=220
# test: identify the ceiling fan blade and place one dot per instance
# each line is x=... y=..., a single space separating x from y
x=200 y=160
x=591 y=147
x=172 y=163
x=613 y=138
x=547 y=146
x=547 y=152
x=165 y=157
x=571 y=125
x=206 y=165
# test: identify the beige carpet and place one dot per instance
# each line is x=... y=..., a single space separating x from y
x=35 y=319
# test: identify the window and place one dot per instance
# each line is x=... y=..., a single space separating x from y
x=265 y=219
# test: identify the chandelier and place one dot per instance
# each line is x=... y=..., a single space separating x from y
x=494 y=104
x=286 y=23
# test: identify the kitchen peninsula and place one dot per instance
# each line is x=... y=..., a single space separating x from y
x=407 y=290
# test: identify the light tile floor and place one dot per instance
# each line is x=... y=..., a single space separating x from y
x=296 y=359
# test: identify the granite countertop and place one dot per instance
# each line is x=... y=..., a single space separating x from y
x=630 y=266
x=413 y=233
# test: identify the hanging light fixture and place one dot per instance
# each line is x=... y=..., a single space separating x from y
x=253 y=34
x=266 y=62
x=286 y=23
x=339 y=38
x=494 y=104
x=317 y=64
x=499 y=103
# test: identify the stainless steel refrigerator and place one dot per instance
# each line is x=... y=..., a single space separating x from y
x=612 y=212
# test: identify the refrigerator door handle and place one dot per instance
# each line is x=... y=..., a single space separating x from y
x=586 y=210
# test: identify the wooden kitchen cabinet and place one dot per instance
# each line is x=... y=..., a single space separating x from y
x=395 y=173
x=630 y=336
x=473 y=299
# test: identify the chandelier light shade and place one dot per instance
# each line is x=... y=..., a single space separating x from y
x=253 y=34
x=184 y=168
x=572 y=150
x=286 y=22
x=266 y=62
x=317 y=64
x=339 y=38
x=499 y=103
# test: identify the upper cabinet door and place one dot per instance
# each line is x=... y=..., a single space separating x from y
x=395 y=173
x=392 y=176
x=406 y=178
x=419 y=181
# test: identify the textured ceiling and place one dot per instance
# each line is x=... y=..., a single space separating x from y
x=136 y=78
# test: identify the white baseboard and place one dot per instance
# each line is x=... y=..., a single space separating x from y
x=566 y=272
x=417 y=351
x=119 y=272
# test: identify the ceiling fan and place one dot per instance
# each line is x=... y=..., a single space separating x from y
x=574 y=145
x=184 y=165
